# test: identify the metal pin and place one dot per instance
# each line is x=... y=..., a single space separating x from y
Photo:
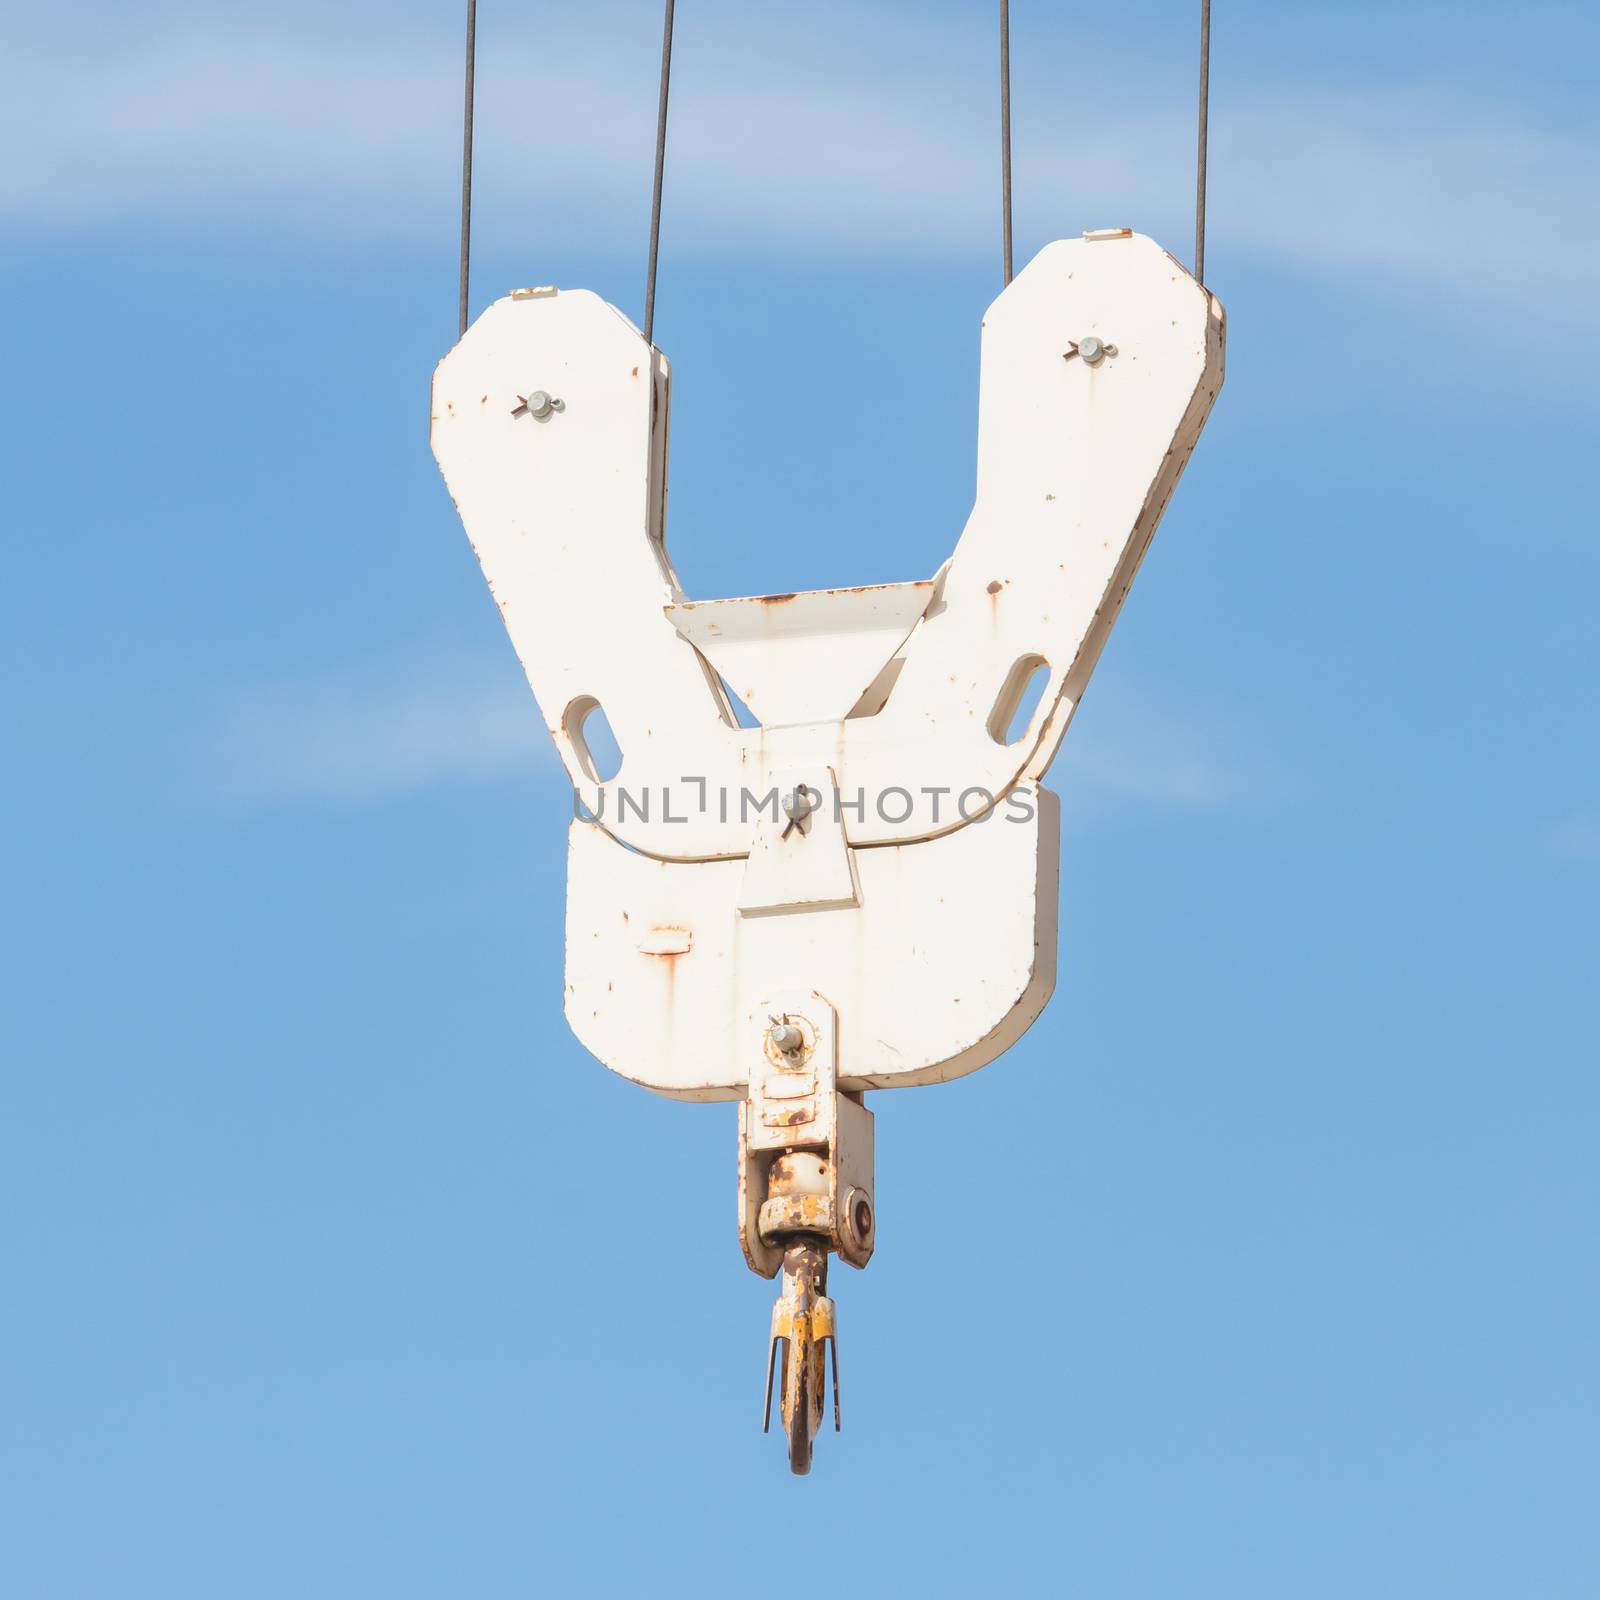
x=833 y=1344
x=786 y=1037
x=797 y=806
x=538 y=403
x=766 y=1407
x=1091 y=349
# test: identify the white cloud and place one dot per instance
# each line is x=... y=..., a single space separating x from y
x=1418 y=185
x=361 y=736
x=1576 y=840
x=1177 y=749
x=795 y=146
x=371 y=731
x=198 y=120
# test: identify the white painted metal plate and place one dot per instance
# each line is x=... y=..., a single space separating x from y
x=945 y=963
x=800 y=862
x=804 y=657
x=1076 y=463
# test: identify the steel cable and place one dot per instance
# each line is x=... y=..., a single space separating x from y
x=661 y=162
x=661 y=156
x=466 y=163
x=1005 y=136
x=1200 y=155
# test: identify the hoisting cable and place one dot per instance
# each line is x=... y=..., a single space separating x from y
x=661 y=161
x=661 y=156
x=466 y=163
x=1200 y=156
x=1005 y=136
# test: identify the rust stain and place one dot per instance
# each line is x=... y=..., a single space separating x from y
x=777 y=599
x=995 y=587
x=797 y=1214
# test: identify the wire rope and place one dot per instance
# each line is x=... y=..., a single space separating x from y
x=1005 y=137
x=1200 y=152
x=1006 y=225
x=466 y=164
x=661 y=163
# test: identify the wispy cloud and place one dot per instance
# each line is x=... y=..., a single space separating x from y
x=357 y=129
x=361 y=736
x=1173 y=750
x=369 y=732
x=1575 y=840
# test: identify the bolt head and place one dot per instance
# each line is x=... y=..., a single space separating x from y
x=1091 y=348
x=787 y=1038
x=540 y=404
x=798 y=803
x=856 y=1219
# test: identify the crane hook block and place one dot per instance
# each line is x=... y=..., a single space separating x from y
x=861 y=892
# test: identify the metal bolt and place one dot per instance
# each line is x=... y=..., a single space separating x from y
x=798 y=804
x=786 y=1037
x=855 y=1219
x=538 y=403
x=1091 y=349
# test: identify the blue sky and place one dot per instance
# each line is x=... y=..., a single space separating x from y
x=335 y=1266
